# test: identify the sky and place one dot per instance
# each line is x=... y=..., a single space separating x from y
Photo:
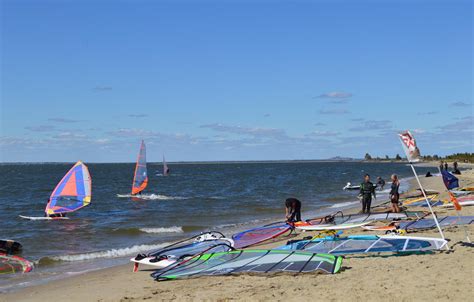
x=233 y=80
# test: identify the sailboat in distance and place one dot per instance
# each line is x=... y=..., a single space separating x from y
x=72 y=193
x=140 y=178
x=166 y=170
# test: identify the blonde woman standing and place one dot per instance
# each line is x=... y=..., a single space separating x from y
x=394 y=195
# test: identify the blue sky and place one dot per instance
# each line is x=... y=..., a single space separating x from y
x=233 y=80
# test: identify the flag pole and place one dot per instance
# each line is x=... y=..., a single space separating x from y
x=428 y=203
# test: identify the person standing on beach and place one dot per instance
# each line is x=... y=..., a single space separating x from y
x=441 y=167
x=394 y=195
x=367 y=190
x=292 y=210
x=455 y=168
x=446 y=165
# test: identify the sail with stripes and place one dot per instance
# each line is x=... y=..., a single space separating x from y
x=361 y=244
x=140 y=178
x=72 y=192
x=251 y=261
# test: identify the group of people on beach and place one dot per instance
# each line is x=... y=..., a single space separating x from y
x=444 y=166
x=367 y=191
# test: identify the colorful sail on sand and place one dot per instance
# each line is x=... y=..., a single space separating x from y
x=183 y=250
x=14 y=264
x=260 y=234
x=251 y=261
x=140 y=178
x=362 y=244
x=72 y=193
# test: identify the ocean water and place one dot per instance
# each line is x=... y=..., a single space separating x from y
x=194 y=198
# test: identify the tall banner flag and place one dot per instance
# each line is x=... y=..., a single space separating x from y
x=413 y=155
x=409 y=146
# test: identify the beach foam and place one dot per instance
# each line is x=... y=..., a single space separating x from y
x=173 y=229
x=151 y=197
x=113 y=253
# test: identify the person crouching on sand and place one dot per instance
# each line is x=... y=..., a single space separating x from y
x=394 y=195
x=367 y=189
x=292 y=210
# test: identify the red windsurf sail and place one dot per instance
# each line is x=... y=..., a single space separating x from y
x=140 y=178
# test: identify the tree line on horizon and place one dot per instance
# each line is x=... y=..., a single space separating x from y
x=460 y=157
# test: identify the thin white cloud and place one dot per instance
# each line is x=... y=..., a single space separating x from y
x=334 y=111
x=336 y=95
x=62 y=120
x=140 y=115
x=252 y=131
x=460 y=104
x=371 y=125
x=41 y=128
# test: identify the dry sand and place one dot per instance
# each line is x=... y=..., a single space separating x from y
x=443 y=276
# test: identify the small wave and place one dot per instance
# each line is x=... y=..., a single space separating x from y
x=173 y=229
x=113 y=253
x=151 y=197
x=344 y=204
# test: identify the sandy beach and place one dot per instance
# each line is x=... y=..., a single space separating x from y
x=442 y=276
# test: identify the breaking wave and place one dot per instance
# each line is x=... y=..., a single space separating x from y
x=151 y=197
x=173 y=229
x=112 y=253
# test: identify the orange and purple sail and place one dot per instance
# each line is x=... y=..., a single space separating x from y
x=72 y=192
x=140 y=179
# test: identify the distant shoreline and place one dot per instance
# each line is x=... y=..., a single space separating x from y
x=295 y=161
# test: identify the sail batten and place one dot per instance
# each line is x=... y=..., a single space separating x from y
x=140 y=178
x=72 y=192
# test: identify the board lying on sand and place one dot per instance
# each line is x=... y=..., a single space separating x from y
x=251 y=261
x=418 y=201
x=260 y=234
x=42 y=218
x=425 y=223
x=340 y=218
x=207 y=242
x=14 y=264
x=417 y=193
x=324 y=227
x=10 y=247
x=461 y=203
x=361 y=244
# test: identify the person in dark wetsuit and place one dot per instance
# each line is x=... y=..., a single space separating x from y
x=292 y=210
x=367 y=189
x=394 y=195
x=446 y=165
x=455 y=168
x=55 y=215
x=380 y=183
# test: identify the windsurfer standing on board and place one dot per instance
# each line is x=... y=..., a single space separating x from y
x=292 y=210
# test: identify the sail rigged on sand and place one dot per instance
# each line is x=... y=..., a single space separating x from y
x=140 y=178
x=166 y=170
x=72 y=192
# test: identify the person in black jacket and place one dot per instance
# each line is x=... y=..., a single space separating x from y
x=367 y=190
x=292 y=210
